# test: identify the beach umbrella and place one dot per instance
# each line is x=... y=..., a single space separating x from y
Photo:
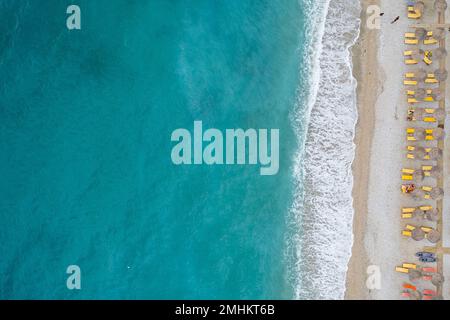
x=421 y=74
x=441 y=75
x=420 y=93
x=419 y=6
x=435 y=154
x=438 y=133
x=419 y=134
x=437 y=279
x=433 y=236
x=440 y=5
x=415 y=295
x=419 y=153
x=439 y=53
x=437 y=193
x=439 y=114
x=437 y=96
x=414 y=275
x=418 y=175
x=421 y=33
x=432 y=215
x=436 y=172
x=418 y=234
x=439 y=33
x=418 y=194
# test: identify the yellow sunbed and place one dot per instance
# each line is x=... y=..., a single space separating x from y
x=410 y=227
x=425 y=208
x=407 y=215
x=401 y=270
x=430 y=41
x=427 y=60
x=426 y=229
x=408 y=210
x=429 y=119
x=409 y=266
x=409 y=75
x=410 y=61
x=411 y=41
x=406 y=233
x=428 y=99
x=431 y=80
x=410 y=82
x=427 y=189
x=410 y=171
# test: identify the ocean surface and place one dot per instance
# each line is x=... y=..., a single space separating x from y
x=86 y=175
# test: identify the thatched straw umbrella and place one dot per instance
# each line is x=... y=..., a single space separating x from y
x=439 y=53
x=415 y=295
x=437 y=279
x=439 y=33
x=418 y=194
x=421 y=33
x=437 y=193
x=418 y=55
x=439 y=114
x=419 y=134
x=418 y=175
x=438 y=133
x=419 y=153
x=441 y=75
x=435 y=154
x=414 y=275
x=418 y=234
x=432 y=215
x=420 y=93
x=421 y=74
x=440 y=5
x=433 y=236
x=437 y=96
x=436 y=172
x=419 y=6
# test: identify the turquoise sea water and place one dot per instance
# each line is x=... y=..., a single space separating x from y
x=85 y=124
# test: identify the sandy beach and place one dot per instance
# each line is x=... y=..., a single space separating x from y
x=378 y=66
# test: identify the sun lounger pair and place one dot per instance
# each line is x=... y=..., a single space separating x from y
x=428 y=134
x=413 y=13
x=411 y=156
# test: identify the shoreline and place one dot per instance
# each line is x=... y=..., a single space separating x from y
x=365 y=71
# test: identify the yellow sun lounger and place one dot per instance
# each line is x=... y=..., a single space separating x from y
x=406 y=233
x=414 y=14
x=427 y=189
x=427 y=60
x=407 y=215
x=429 y=99
x=401 y=270
x=425 y=208
x=429 y=119
x=431 y=80
x=410 y=82
x=411 y=41
x=409 y=75
x=426 y=229
x=408 y=210
x=410 y=61
x=409 y=266
x=430 y=41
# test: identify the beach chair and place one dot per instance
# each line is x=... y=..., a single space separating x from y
x=407 y=233
x=410 y=62
x=408 y=210
x=410 y=82
x=425 y=208
x=410 y=227
x=429 y=269
x=427 y=60
x=429 y=292
x=409 y=286
x=406 y=294
x=409 y=266
x=409 y=75
x=401 y=270
x=413 y=14
x=411 y=41
x=426 y=229
x=430 y=41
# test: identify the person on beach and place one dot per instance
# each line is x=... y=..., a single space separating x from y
x=395 y=20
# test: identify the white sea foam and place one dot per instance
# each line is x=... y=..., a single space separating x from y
x=322 y=209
